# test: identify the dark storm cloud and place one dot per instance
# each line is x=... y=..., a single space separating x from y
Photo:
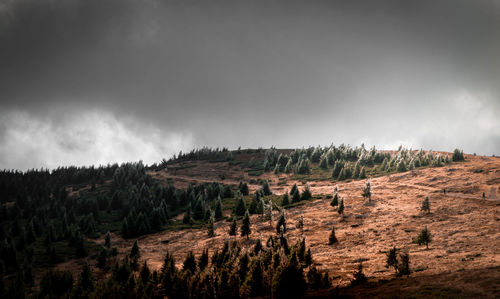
x=176 y=74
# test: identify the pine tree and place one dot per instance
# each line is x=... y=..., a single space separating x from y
x=210 y=227
x=285 y=199
x=300 y=223
x=203 y=261
x=362 y=175
x=335 y=199
x=458 y=155
x=187 y=216
x=367 y=193
x=257 y=247
x=426 y=206
x=359 y=276
x=232 y=230
x=323 y=164
x=392 y=260
x=294 y=189
x=424 y=237
x=332 y=239
x=306 y=194
x=404 y=268
x=281 y=224
x=135 y=252
x=107 y=240
x=340 y=210
x=266 y=188
x=145 y=273
x=243 y=187
x=189 y=263
x=240 y=207
x=86 y=282
x=245 y=227
x=218 y=209
x=296 y=195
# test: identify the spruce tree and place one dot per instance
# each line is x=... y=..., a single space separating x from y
x=243 y=187
x=86 y=282
x=426 y=206
x=134 y=252
x=404 y=268
x=359 y=276
x=424 y=237
x=218 y=209
x=285 y=199
x=232 y=230
x=281 y=225
x=392 y=260
x=145 y=273
x=306 y=194
x=367 y=193
x=340 y=210
x=189 y=263
x=107 y=240
x=266 y=188
x=240 y=207
x=335 y=200
x=245 y=227
x=332 y=239
x=203 y=261
x=296 y=195
x=362 y=175
x=210 y=228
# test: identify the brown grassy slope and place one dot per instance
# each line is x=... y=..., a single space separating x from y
x=465 y=228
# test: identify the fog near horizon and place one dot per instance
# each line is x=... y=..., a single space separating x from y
x=87 y=82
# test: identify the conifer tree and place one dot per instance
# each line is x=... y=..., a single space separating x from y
x=245 y=227
x=243 y=187
x=426 y=206
x=404 y=268
x=340 y=210
x=392 y=260
x=367 y=193
x=203 y=261
x=285 y=199
x=300 y=223
x=86 y=282
x=240 y=207
x=189 y=263
x=424 y=237
x=145 y=273
x=306 y=194
x=187 y=216
x=218 y=209
x=332 y=239
x=281 y=224
x=135 y=252
x=294 y=189
x=359 y=276
x=335 y=199
x=107 y=240
x=296 y=196
x=323 y=164
x=265 y=188
x=362 y=175
x=232 y=230
x=210 y=228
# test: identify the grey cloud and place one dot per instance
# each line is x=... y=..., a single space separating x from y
x=256 y=73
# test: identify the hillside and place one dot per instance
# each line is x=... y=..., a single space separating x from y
x=465 y=227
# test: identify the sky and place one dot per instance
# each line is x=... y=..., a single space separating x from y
x=100 y=81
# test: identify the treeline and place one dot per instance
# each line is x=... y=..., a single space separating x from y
x=346 y=162
x=274 y=269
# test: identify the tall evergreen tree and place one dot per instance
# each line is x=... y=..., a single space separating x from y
x=392 y=259
x=340 y=210
x=285 y=199
x=367 y=191
x=281 y=225
x=232 y=230
x=426 y=206
x=424 y=237
x=240 y=207
x=306 y=194
x=218 y=209
x=332 y=239
x=245 y=227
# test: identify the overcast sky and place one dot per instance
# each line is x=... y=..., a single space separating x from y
x=95 y=81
